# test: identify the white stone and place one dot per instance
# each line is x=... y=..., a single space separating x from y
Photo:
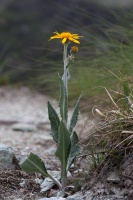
x=113 y=177
x=22 y=183
x=53 y=198
x=6 y=158
x=48 y=183
x=24 y=127
x=38 y=180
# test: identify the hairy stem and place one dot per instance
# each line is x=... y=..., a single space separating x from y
x=63 y=177
x=65 y=69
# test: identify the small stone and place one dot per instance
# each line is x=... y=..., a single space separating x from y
x=6 y=158
x=76 y=196
x=78 y=171
x=48 y=183
x=128 y=182
x=53 y=198
x=22 y=183
x=19 y=199
x=38 y=180
x=88 y=195
x=113 y=178
x=24 y=127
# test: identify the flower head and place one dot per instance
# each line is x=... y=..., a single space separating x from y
x=66 y=37
x=74 y=49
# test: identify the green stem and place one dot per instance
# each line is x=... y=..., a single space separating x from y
x=63 y=177
x=65 y=79
x=65 y=69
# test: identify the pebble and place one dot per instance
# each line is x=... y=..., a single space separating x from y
x=53 y=198
x=113 y=178
x=128 y=182
x=38 y=180
x=22 y=184
x=48 y=183
x=78 y=171
x=6 y=158
x=24 y=127
x=19 y=199
x=75 y=197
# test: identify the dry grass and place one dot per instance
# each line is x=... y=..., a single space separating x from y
x=113 y=137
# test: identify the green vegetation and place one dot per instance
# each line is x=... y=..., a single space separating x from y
x=112 y=140
x=28 y=58
x=62 y=131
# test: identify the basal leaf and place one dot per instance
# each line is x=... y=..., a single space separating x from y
x=74 y=118
x=33 y=164
x=63 y=101
x=127 y=92
x=75 y=149
x=63 y=147
x=126 y=87
x=54 y=120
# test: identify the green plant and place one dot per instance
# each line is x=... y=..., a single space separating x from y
x=116 y=130
x=62 y=132
x=113 y=137
x=95 y=159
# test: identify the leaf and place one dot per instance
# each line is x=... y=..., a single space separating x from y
x=54 y=120
x=74 y=118
x=126 y=87
x=63 y=150
x=75 y=149
x=63 y=101
x=33 y=164
x=127 y=92
x=63 y=147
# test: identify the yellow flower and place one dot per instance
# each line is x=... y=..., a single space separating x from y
x=66 y=37
x=74 y=49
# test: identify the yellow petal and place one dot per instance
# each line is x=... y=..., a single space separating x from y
x=66 y=36
x=64 y=40
x=73 y=40
x=54 y=37
x=56 y=33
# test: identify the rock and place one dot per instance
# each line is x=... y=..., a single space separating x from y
x=38 y=180
x=22 y=184
x=76 y=196
x=19 y=199
x=79 y=196
x=24 y=127
x=88 y=195
x=128 y=182
x=6 y=158
x=48 y=183
x=53 y=198
x=78 y=171
x=113 y=178
x=43 y=137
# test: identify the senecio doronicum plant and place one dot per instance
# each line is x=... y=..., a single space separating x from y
x=62 y=132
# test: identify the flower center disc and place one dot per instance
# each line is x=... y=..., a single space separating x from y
x=65 y=35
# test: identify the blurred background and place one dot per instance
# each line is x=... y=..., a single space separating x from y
x=28 y=58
